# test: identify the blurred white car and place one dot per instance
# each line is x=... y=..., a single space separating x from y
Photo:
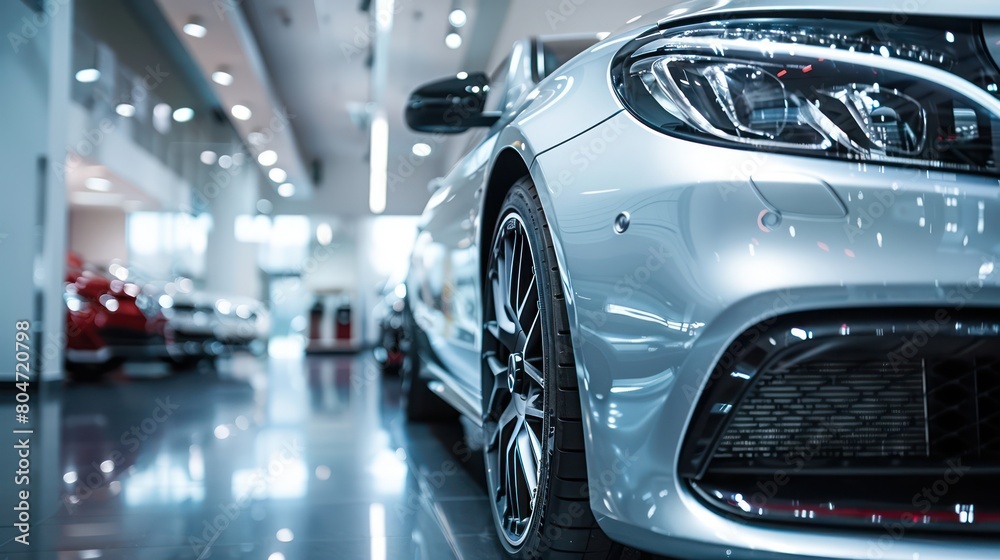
x=208 y=325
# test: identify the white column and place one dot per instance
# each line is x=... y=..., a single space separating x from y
x=34 y=101
x=230 y=266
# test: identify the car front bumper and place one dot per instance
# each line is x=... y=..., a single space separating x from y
x=151 y=348
x=653 y=308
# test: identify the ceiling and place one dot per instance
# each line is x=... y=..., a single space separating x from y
x=317 y=56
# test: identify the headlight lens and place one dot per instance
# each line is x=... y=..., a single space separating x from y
x=924 y=96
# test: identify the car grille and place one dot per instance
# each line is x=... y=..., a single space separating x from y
x=840 y=409
x=848 y=421
x=848 y=410
x=963 y=402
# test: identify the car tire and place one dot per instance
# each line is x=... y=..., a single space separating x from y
x=92 y=373
x=560 y=522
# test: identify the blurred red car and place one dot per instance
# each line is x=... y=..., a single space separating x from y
x=109 y=320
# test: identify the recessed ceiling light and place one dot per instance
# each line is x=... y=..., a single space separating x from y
x=208 y=157
x=99 y=184
x=195 y=28
x=457 y=18
x=125 y=109
x=453 y=40
x=324 y=234
x=161 y=118
x=268 y=158
x=222 y=77
x=85 y=198
x=264 y=206
x=225 y=162
x=421 y=149
x=183 y=114
x=286 y=189
x=284 y=535
x=88 y=75
x=241 y=112
x=277 y=175
x=462 y=75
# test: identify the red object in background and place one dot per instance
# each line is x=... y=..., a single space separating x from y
x=343 y=324
x=316 y=321
x=104 y=321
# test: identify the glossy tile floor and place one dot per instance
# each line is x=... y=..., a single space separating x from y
x=267 y=458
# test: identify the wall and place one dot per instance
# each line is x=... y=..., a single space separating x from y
x=35 y=68
x=97 y=234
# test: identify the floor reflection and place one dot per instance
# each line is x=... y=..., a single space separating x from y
x=272 y=459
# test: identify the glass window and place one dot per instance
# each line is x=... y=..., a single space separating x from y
x=498 y=86
x=559 y=52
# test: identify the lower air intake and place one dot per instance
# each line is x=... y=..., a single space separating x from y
x=850 y=421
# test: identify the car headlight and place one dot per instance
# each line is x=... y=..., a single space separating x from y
x=924 y=95
x=75 y=302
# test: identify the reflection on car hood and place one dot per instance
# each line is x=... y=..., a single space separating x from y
x=676 y=11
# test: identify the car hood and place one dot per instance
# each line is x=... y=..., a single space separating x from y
x=678 y=11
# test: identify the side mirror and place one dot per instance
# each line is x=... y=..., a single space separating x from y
x=451 y=105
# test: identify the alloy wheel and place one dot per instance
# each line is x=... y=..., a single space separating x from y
x=514 y=382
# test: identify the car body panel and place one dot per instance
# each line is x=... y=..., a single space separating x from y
x=897 y=12
x=653 y=309
x=443 y=283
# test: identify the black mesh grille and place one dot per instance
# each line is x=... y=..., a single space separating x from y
x=854 y=419
x=962 y=404
x=830 y=409
x=925 y=408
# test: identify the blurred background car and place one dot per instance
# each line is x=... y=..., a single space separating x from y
x=207 y=326
x=114 y=317
x=392 y=343
x=109 y=320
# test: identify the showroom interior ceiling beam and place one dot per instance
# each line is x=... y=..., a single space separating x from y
x=219 y=39
x=485 y=29
x=320 y=63
x=378 y=129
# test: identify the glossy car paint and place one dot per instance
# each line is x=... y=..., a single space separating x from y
x=88 y=328
x=653 y=308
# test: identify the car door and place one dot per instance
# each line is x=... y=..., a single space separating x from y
x=444 y=272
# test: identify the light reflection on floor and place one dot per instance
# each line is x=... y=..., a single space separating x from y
x=277 y=458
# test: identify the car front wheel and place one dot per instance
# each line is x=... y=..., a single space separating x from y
x=535 y=465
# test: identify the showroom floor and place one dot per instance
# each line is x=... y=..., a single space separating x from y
x=272 y=459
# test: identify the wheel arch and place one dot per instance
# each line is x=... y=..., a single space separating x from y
x=512 y=163
x=508 y=167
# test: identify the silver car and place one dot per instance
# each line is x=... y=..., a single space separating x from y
x=724 y=284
